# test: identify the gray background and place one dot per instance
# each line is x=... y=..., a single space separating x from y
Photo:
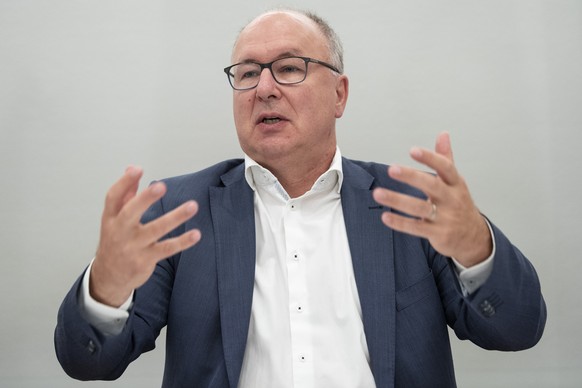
x=88 y=87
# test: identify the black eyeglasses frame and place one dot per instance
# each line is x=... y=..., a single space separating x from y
x=269 y=65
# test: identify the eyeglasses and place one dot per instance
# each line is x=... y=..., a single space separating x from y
x=285 y=71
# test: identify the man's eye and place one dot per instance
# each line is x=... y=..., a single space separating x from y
x=289 y=69
x=249 y=74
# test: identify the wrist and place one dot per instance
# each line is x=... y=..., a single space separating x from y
x=104 y=292
x=481 y=246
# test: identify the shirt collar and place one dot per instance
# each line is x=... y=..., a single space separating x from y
x=256 y=175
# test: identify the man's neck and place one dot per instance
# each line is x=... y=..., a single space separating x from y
x=298 y=176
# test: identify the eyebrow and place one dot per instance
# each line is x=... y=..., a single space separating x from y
x=290 y=53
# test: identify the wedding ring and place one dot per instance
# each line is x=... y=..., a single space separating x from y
x=433 y=212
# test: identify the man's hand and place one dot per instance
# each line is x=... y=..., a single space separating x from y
x=448 y=219
x=128 y=250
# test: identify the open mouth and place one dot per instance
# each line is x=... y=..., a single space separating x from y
x=271 y=120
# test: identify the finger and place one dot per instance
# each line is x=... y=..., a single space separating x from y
x=443 y=145
x=407 y=225
x=135 y=208
x=442 y=165
x=412 y=206
x=121 y=191
x=131 y=192
x=425 y=182
x=171 y=246
x=158 y=228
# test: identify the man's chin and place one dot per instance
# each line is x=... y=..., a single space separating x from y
x=270 y=151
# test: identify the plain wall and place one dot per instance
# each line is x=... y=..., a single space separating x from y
x=88 y=87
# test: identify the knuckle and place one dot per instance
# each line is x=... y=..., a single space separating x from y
x=434 y=184
x=110 y=195
x=166 y=248
x=124 y=213
x=154 y=229
x=449 y=167
x=418 y=210
x=107 y=224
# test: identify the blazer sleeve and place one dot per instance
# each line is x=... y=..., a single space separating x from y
x=87 y=354
x=508 y=312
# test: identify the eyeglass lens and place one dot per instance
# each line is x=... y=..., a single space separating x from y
x=285 y=71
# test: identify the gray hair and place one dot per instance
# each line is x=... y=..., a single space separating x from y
x=334 y=44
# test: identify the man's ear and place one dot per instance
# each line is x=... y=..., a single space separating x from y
x=342 y=91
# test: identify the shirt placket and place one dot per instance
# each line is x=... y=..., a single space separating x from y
x=299 y=308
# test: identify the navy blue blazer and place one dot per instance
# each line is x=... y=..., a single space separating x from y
x=408 y=293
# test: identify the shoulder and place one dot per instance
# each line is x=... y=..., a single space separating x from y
x=196 y=185
x=377 y=170
x=210 y=176
x=377 y=173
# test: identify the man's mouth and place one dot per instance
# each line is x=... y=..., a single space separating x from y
x=271 y=120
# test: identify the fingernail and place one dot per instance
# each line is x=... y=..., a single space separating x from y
x=157 y=188
x=395 y=170
x=194 y=235
x=377 y=194
x=416 y=152
x=132 y=171
x=190 y=207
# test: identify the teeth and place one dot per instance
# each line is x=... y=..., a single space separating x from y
x=271 y=120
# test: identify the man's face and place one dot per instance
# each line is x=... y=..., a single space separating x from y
x=304 y=114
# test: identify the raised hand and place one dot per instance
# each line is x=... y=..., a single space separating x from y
x=449 y=218
x=128 y=250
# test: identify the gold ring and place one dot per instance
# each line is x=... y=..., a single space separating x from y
x=433 y=212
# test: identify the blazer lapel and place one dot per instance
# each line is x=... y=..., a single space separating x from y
x=232 y=212
x=371 y=246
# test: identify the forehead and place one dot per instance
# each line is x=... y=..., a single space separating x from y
x=278 y=34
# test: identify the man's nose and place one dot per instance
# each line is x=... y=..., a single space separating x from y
x=267 y=86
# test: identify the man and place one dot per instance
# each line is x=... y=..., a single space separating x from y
x=301 y=268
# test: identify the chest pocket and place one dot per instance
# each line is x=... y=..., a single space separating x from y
x=415 y=292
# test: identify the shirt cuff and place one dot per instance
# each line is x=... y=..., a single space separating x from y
x=474 y=277
x=108 y=320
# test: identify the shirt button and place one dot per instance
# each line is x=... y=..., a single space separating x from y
x=302 y=358
x=296 y=257
x=299 y=309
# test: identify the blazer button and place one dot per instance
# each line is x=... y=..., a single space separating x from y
x=91 y=347
x=487 y=308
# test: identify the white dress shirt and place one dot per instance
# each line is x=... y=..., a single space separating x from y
x=306 y=325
